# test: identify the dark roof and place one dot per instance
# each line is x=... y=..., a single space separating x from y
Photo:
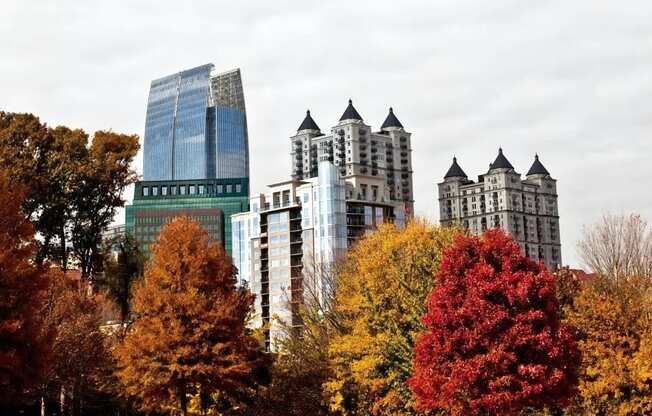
x=537 y=168
x=350 y=113
x=391 y=120
x=308 y=123
x=455 y=171
x=501 y=162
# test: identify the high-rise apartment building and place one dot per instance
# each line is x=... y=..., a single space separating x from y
x=285 y=246
x=525 y=208
x=195 y=155
x=357 y=151
x=196 y=127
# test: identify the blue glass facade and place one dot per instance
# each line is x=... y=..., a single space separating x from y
x=230 y=145
x=190 y=144
x=187 y=136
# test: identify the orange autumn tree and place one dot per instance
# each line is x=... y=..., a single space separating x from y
x=613 y=319
x=190 y=337
x=380 y=299
x=79 y=360
x=22 y=285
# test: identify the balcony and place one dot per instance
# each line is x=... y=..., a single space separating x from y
x=280 y=204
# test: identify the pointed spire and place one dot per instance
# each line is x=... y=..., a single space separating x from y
x=501 y=161
x=455 y=171
x=537 y=167
x=308 y=123
x=391 y=120
x=350 y=113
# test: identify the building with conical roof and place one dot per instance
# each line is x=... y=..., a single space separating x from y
x=391 y=121
x=525 y=208
x=372 y=160
x=537 y=168
x=455 y=171
x=351 y=113
x=308 y=124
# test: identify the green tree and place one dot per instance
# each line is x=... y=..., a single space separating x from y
x=44 y=161
x=73 y=187
x=122 y=272
x=97 y=193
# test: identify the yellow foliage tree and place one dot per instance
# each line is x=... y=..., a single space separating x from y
x=613 y=319
x=381 y=294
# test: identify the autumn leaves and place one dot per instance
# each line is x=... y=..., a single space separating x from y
x=493 y=342
x=189 y=339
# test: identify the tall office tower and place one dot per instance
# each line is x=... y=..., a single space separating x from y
x=211 y=202
x=195 y=155
x=358 y=152
x=285 y=246
x=525 y=208
x=196 y=127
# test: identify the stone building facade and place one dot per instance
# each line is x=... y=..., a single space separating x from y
x=525 y=208
x=356 y=150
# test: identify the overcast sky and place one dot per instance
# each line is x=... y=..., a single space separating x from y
x=571 y=80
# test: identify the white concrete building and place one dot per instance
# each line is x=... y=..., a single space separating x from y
x=525 y=208
x=357 y=151
x=295 y=231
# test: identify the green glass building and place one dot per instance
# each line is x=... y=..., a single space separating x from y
x=209 y=201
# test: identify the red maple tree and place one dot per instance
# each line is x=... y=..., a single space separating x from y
x=22 y=285
x=493 y=343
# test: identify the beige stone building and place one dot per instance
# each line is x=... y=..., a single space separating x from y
x=381 y=159
x=525 y=208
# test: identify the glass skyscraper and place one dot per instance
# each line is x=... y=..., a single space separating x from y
x=195 y=155
x=196 y=127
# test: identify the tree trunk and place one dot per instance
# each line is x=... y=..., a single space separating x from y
x=64 y=254
x=42 y=406
x=76 y=397
x=183 y=398
x=62 y=401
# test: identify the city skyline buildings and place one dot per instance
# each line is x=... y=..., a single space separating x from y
x=195 y=155
x=196 y=126
x=470 y=91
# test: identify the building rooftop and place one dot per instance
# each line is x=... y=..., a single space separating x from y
x=391 y=120
x=350 y=113
x=501 y=162
x=537 y=168
x=308 y=123
x=455 y=171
